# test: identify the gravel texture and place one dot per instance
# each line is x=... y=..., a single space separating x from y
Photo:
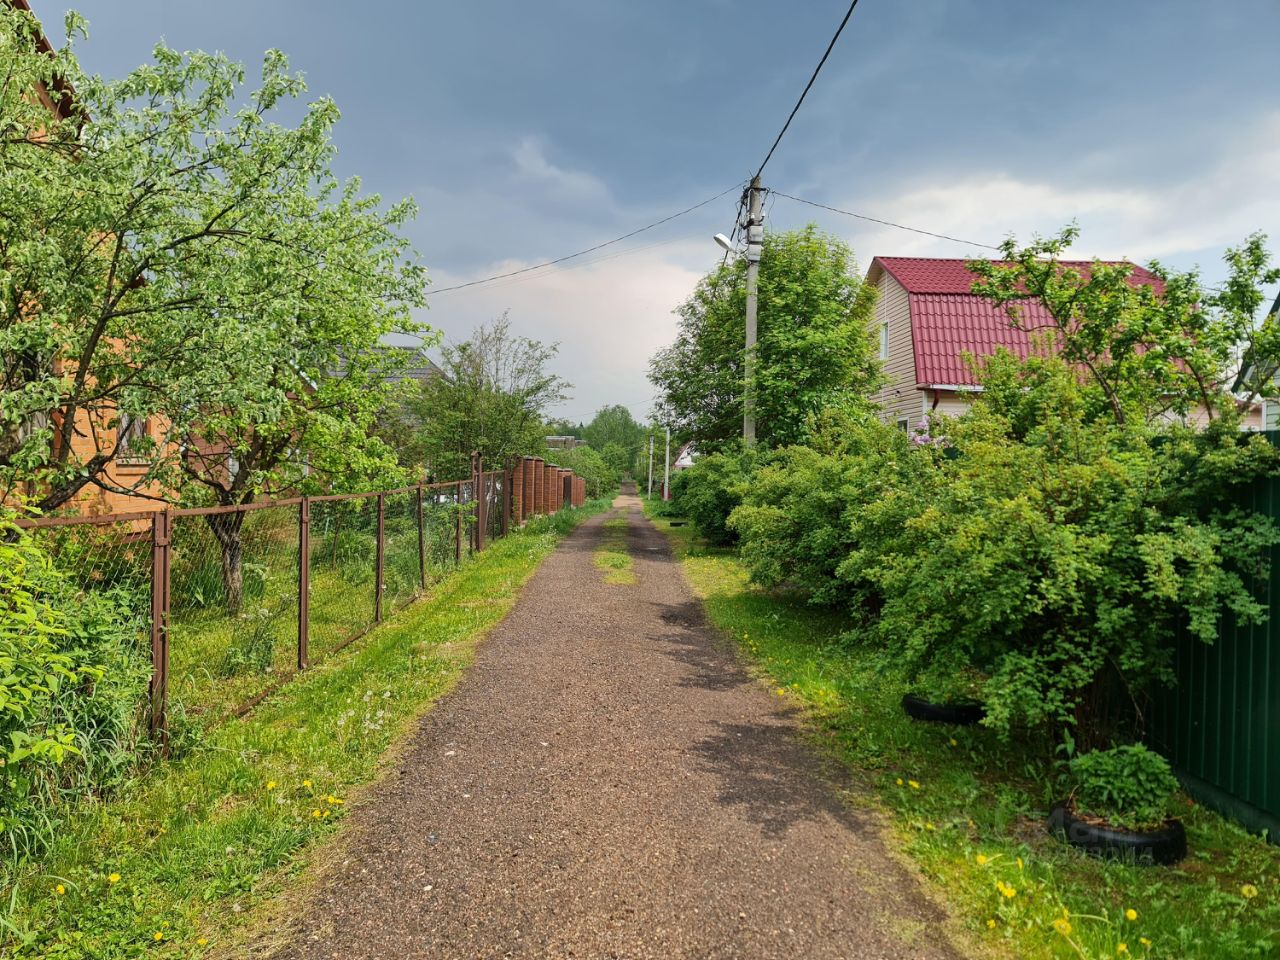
x=608 y=781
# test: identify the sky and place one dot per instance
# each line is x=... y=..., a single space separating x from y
x=527 y=131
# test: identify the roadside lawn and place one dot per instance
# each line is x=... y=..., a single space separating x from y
x=969 y=810
x=174 y=864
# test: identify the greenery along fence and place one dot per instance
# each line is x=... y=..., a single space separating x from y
x=227 y=603
x=1220 y=725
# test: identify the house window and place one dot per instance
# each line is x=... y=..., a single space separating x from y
x=904 y=424
x=884 y=341
x=133 y=435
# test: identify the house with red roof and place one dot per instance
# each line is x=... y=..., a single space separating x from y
x=928 y=322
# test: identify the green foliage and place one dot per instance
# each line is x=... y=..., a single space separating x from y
x=492 y=398
x=814 y=345
x=1128 y=786
x=193 y=259
x=72 y=674
x=708 y=491
x=812 y=516
x=618 y=437
x=600 y=476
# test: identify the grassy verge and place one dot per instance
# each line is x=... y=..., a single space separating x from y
x=612 y=555
x=969 y=810
x=175 y=862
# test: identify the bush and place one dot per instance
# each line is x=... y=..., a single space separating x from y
x=708 y=492
x=811 y=516
x=1128 y=787
x=1062 y=563
x=73 y=680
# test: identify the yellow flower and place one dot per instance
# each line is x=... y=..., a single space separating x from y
x=1144 y=941
x=316 y=814
x=307 y=784
x=202 y=941
x=982 y=859
x=913 y=785
x=1248 y=891
x=271 y=784
x=899 y=781
x=113 y=878
x=781 y=692
x=1019 y=863
x=59 y=889
x=326 y=813
x=1121 y=948
x=928 y=826
x=991 y=924
x=1063 y=926
x=1131 y=914
x=954 y=743
x=157 y=936
x=1008 y=891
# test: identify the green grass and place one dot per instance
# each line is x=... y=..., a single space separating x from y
x=969 y=809
x=612 y=556
x=202 y=841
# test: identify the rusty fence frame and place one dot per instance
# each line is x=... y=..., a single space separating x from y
x=492 y=500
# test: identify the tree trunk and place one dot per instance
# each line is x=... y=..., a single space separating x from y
x=226 y=530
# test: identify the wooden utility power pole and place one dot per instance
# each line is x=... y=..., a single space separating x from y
x=755 y=242
x=650 y=463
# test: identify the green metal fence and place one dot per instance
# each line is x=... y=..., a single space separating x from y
x=1220 y=726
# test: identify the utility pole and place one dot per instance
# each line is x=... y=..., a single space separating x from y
x=666 y=470
x=651 y=464
x=755 y=241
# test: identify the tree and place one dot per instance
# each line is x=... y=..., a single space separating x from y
x=600 y=478
x=169 y=253
x=492 y=398
x=617 y=435
x=814 y=349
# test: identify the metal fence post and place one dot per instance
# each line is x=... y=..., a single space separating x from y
x=422 y=539
x=481 y=494
x=381 y=556
x=304 y=580
x=457 y=524
x=160 y=583
x=508 y=487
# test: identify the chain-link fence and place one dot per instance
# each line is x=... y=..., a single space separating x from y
x=227 y=603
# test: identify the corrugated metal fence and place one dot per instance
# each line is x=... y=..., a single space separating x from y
x=1220 y=726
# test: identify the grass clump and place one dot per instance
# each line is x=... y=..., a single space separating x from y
x=612 y=556
x=177 y=861
x=969 y=808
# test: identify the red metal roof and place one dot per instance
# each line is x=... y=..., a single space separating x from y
x=947 y=321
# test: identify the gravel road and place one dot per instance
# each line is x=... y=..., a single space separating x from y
x=608 y=781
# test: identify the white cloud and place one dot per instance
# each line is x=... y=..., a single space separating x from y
x=569 y=186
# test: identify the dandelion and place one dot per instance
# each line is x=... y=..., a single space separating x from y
x=1019 y=863
x=1144 y=941
x=316 y=814
x=928 y=826
x=60 y=890
x=954 y=742
x=202 y=941
x=1248 y=891
x=1007 y=891
x=913 y=784
x=307 y=784
x=113 y=878
x=157 y=936
x=982 y=859
x=1063 y=926
x=271 y=785
x=1121 y=949
x=899 y=781
x=991 y=924
x=780 y=692
x=1131 y=914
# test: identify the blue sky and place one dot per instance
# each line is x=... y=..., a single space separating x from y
x=530 y=130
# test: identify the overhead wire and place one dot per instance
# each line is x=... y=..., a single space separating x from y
x=583 y=253
x=886 y=223
x=807 y=87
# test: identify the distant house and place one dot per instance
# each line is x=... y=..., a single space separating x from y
x=564 y=443
x=684 y=458
x=927 y=321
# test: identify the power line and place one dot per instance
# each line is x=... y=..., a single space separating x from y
x=885 y=223
x=583 y=253
x=816 y=70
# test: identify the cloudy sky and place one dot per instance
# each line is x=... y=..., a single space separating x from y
x=527 y=131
